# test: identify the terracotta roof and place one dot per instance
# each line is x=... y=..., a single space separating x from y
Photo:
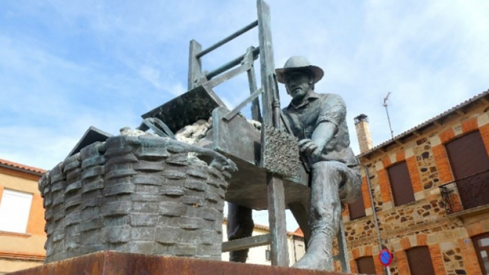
x=427 y=123
x=22 y=167
x=298 y=232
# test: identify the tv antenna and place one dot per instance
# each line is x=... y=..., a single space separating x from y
x=387 y=112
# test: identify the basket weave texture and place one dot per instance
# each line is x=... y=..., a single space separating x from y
x=141 y=194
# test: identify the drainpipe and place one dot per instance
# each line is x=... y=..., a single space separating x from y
x=386 y=269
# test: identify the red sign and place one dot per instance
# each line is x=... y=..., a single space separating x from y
x=385 y=257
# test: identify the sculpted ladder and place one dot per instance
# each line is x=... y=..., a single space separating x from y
x=271 y=175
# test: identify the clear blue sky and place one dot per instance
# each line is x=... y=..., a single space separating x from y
x=68 y=65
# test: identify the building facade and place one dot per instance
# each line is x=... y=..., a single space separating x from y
x=22 y=235
x=425 y=197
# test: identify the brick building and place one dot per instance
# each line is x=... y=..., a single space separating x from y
x=22 y=234
x=425 y=196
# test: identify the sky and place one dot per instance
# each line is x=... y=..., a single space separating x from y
x=69 y=65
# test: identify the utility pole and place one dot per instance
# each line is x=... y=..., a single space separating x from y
x=387 y=112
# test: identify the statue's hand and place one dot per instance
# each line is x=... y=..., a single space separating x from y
x=309 y=148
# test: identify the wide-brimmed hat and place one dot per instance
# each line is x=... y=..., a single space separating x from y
x=299 y=63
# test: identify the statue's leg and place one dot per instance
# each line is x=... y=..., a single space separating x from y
x=239 y=225
x=324 y=215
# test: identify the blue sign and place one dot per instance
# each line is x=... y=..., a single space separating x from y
x=385 y=257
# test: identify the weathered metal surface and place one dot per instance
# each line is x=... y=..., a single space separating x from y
x=280 y=152
x=195 y=77
x=158 y=127
x=238 y=108
x=255 y=105
x=227 y=39
x=271 y=103
x=245 y=243
x=116 y=263
x=248 y=186
x=231 y=64
x=90 y=136
x=227 y=75
x=139 y=194
x=187 y=108
x=276 y=219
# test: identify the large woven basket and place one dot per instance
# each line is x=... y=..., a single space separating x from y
x=141 y=194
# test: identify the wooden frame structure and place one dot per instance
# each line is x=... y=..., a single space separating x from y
x=270 y=190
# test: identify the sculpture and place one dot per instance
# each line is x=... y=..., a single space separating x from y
x=319 y=122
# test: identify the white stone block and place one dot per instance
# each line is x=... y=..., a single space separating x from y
x=483 y=119
x=435 y=141
x=409 y=152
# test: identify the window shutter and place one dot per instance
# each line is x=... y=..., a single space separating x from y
x=400 y=181
x=366 y=265
x=419 y=260
x=14 y=211
x=357 y=209
x=468 y=157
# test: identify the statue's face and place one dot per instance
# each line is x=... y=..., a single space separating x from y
x=297 y=84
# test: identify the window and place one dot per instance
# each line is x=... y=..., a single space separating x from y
x=357 y=209
x=14 y=211
x=365 y=265
x=481 y=245
x=401 y=186
x=468 y=159
x=419 y=260
x=267 y=255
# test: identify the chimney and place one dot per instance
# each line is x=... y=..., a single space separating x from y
x=363 y=133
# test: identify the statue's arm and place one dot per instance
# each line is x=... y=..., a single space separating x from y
x=323 y=133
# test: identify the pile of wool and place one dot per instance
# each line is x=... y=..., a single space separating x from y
x=191 y=134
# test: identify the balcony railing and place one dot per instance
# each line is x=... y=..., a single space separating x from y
x=466 y=193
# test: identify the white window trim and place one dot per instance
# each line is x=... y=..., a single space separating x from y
x=15 y=209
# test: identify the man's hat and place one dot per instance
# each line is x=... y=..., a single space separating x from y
x=299 y=63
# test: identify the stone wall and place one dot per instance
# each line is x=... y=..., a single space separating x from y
x=141 y=194
x=425 y=221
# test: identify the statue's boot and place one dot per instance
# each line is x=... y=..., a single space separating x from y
x=324 y=217
x=319 y=250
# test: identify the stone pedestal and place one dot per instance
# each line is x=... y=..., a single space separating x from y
x=117 y=263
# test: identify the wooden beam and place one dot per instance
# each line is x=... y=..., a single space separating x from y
x=238 y=108
x=194 y=65
x=228 y=75
x=460 y=112
x=276 y=217
x=266 y=59
x=246 y=243
x=276 y=199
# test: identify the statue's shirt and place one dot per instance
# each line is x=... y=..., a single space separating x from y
x=314 y=109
